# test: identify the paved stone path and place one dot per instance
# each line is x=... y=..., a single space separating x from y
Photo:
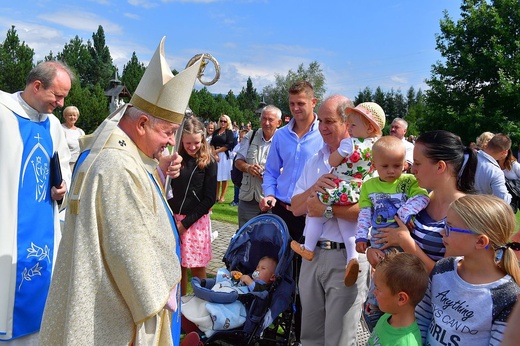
x=220 y=244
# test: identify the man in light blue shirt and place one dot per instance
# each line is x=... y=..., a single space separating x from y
x=292 y=146
x=489 y=178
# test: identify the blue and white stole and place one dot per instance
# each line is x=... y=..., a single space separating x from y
x=35 y=240
x=176 y=316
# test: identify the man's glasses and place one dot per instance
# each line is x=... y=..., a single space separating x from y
x=449 y=229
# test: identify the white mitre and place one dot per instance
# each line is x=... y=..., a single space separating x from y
x=159 y=93
x=162 y=94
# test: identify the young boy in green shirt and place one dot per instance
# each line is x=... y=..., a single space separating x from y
x=400 y=281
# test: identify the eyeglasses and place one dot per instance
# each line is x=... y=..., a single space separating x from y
x=450 y=229
x=223 y=121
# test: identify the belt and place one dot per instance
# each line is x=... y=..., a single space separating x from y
x=330 y=245
x=284 y=205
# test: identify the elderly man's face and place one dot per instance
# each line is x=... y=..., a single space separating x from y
x=269 y=122
x=397 y=130
x=157 y=137
x=332 y=128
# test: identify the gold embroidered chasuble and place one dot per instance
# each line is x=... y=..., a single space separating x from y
x=116 y=263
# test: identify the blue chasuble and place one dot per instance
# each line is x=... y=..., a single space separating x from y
x=176 y=316
x=35 y=240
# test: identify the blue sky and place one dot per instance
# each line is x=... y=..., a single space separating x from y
x=357 y=43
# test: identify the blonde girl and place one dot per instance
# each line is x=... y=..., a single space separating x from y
x=473 y=290
x=194 y=193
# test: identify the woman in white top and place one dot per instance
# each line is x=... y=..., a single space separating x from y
x=72 y=133
x=510 y=166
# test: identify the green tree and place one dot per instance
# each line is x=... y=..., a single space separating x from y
x=278 y=94
x=379 y=97
x=77 y=56
x=16 y=61
x=133 y=71
x=101 y=69
x=231 y=99
x=363 y=96
x=416 y=112
x=477 y=86
x=203 y=104
x=247 y=100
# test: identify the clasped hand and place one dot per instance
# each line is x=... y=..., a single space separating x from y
x=389 y=236
x=314 y=206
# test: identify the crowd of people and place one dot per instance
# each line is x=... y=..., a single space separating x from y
x=405 y=234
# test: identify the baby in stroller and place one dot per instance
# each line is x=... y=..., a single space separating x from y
x=261 y=301
x=262 y=277
x=212 y=313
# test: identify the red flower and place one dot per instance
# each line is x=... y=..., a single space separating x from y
x=357 y=175
x=355 y=157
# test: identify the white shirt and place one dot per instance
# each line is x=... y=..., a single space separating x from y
x=514 y=173
x=489 y=178
x=409 y=150
x=315 y=168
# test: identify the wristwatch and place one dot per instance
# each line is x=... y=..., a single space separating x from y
x=328 y=212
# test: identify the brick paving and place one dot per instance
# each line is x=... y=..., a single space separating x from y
x=220 y=244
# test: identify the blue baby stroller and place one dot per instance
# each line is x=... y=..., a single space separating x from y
x=269 y=318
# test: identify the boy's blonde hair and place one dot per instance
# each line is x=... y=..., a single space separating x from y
x=388 y=143
x=404 y=272
x=491 y=216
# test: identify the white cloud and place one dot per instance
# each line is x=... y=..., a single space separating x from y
x=42 y=39
x=81 y=20
x=193 y=1
x=101 y=2
x=143 y=3
x=132 y=15
x=399 y=79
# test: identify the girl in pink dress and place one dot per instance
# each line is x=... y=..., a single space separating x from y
x=194 y=193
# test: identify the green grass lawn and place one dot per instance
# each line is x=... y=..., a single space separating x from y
x=223 y=211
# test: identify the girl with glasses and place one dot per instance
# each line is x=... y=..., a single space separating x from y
x=473 y=290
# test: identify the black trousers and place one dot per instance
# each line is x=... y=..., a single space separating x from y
x=295 y=224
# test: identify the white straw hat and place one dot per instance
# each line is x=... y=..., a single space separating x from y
x=372 y=111
x=161 y=94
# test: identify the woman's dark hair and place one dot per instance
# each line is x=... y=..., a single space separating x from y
x=446 y=146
